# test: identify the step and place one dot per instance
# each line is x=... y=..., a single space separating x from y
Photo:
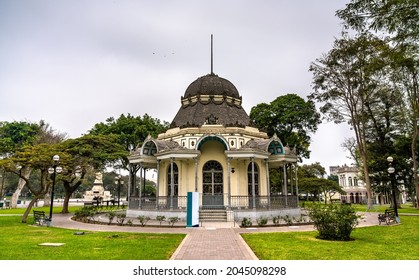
x=213 y=215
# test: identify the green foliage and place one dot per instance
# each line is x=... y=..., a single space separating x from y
x=130 y=130
x=333 y=221
x=290 y=117
x=14 y=135
x=276 y=220
x=120 y=218
x=391 y=16
x=85 y=214
x=143 y=220
x=246 y=222
x=173 y=220
x=288 y=220
x=262 y=221
x=111 y=215
x=160 y=219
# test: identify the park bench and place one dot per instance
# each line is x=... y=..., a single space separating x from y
x=388 y=217
x=39 y=217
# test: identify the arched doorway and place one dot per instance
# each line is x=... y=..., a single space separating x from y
x=212 y=185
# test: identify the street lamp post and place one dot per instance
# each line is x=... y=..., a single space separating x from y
x=54 y=169
x=391 y=171
x=118 y=182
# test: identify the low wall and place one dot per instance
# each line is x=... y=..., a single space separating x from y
x=236 y=215
x=134 y=213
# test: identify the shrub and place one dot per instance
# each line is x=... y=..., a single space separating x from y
x=333 y=221
x=276 y=220
x=85 y=214
x=173 y=220
x=111 y=215
x=160 y=219
x=143 y=219
x=120 y=218
x=262 y=221
x=288 y=220
x=246 y=222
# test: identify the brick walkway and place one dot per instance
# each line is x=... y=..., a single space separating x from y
x=210 y=241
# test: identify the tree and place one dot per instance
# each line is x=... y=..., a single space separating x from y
x=311 y=181
x=399 y=21
x=345 y=80
x=13 y=136
x=290 y=117
x=398 y=18
x=314 y=170
x=317 y=186
x=35 y=157
x=131 y=132
x=86 y=153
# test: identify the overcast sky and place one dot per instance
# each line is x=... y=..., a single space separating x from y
x=76 y=63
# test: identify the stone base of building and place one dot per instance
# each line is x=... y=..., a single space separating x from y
x=232 y=215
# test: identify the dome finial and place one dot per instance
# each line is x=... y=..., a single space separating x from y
x=212 y=73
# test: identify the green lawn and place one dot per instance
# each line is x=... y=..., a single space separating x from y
x=396 y=242
x=20 y=241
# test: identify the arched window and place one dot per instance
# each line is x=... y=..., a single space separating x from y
x=275 y=148
x=149 y=148
x=175 y=181
x=250 y=179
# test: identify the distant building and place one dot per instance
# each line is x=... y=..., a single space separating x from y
x=355 y=191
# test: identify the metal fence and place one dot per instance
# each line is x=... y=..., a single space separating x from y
x=217 y=202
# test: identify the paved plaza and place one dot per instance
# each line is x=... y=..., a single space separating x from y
x=210 y=241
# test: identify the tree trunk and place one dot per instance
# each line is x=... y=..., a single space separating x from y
x=65 y=203
x=25 y=172
x=415 y=164
x=28 y=209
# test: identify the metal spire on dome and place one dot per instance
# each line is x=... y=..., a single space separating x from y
x=212 y=73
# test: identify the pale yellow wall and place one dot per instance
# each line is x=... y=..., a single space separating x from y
x=212 y=150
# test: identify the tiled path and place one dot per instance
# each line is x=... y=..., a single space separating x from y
x=211 y=241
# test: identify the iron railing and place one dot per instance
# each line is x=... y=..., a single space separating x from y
x=177 y=203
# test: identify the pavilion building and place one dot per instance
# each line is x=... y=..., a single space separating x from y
x=212 y=148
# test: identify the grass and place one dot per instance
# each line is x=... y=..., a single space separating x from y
x=398 y=242
x=20 y=241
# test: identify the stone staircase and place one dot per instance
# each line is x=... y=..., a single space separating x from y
x=213 y=215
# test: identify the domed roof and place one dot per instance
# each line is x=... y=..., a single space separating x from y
x=211 y=100
x=211 y=84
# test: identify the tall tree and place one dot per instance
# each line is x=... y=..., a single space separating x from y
x=398 y=20
x=345 y=80
x=89 y=152
x=131 y=132
x=290 y=117
x=35 y=157
x=15 y=135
